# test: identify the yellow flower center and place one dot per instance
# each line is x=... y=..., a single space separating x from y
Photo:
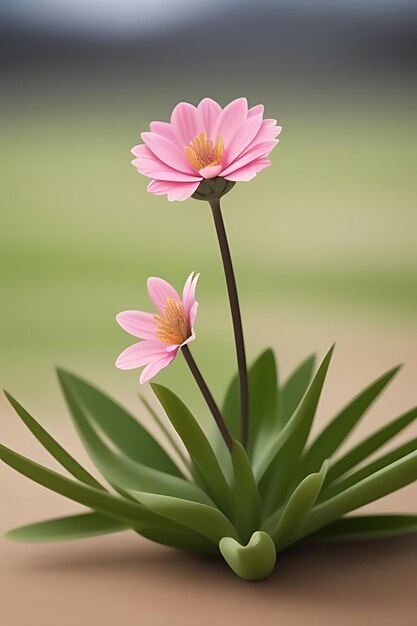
x=172 y=326
x=201 y=153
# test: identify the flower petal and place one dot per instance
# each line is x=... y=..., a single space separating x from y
x=241 y=140
x=193 y=313
x=230 y=119
x=140 y=354
x=189 y=339
x=160 y=290
x=211 y=171
x=188 y=294
x=247 y=172
x=148 y=164
x=184 y=123
x=156 y=366
x=208 y=112
x=167 y=152
x=137 y=323
x=251 y=154
x=256 y=110
x=174 y=190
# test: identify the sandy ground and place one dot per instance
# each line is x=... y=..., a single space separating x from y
x=123 y=579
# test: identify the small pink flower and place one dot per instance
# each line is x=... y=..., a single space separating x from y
x=163 y=334
x=204 y=142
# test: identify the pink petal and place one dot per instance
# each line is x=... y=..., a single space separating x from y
x=184 y=123
x=241 y=140
x=208 y=112
x=193 y=313
x=140 y=354
x=230 y=120
x=167 y=152
x=211 y=171
x=175 y=191
x=247 y=172
x=268 y=131
x=137 y=323
x=188 y=294
x=256 y=110
x=156 y=366
x=251 y=154
x=189 y=339
x=160 y=290
x=165 y=129
x=149 y=165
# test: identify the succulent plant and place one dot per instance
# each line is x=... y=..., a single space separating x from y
x=247 y=505
x=257 y=485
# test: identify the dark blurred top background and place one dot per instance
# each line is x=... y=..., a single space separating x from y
x=299 y=44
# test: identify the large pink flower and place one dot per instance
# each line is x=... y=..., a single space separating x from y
x=204 y=142
x=164 y=333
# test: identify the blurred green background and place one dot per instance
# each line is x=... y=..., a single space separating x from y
x=324 y=241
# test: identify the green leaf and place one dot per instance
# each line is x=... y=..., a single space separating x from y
x=198 y=446
x=145 y=522
x=126 y=434
x=368 y=470
x=381 y=483
x=65 y=528
x=284 y=526
x=52 y=446
x=247 y=501
x=294 y=388
x=179 y=537
x=123 y=471
x=364 y=449
x=206 y=520
x=294 y=434
x=331 y=437
x=262 y=376
x=364 y=527
x=255 y=561
x=166 y=432
x=101 y=501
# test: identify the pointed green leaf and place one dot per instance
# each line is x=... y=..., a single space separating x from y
x=294 y=388
x=96 y=499
x=263 y=390
x=144 y=521
x=166 y=432
x=381 y=483
x=290 y=441
x=179 y=537
x=284 y=527
x=231 y=407
x=66 y=528
x=206 y=520
x=197 y=444
x=52 y=446
x=126 y=434
x=364 y=527
x=247 y=501
x=123 y=471
x=372 y=443
x=331 y=437
x=379 y=464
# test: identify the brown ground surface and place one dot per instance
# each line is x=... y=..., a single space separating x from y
x=122 y=579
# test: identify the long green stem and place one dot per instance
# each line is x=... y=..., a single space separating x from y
x=207 y=396
x=236 y=318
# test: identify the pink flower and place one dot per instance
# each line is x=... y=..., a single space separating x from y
x=164 y=333
x=204 y=142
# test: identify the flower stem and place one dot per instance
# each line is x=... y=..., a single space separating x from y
x=207 y=396
x=236 y=318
